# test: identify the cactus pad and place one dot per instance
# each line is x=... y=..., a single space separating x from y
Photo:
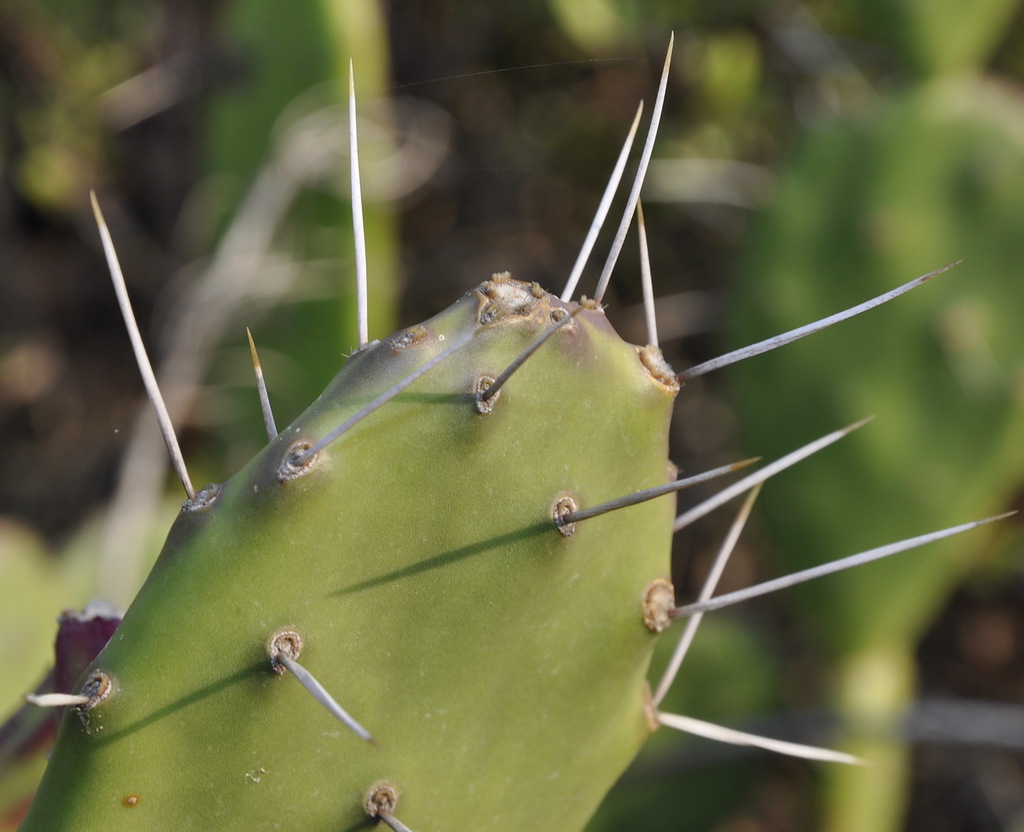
x=424 y=567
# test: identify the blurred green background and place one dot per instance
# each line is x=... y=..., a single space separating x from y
x=812 y=155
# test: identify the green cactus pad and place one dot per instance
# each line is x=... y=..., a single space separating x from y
x=498 y=659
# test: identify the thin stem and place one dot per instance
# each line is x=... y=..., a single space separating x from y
x=711 y=731
x=653 y=492
x=849 y=562
x=384 y=398
x=261 y=387
x=717 y=568
x=777 y=341
x=748 y=482
x=321 y=695
x=602 y=210
x=638 y=181
x=506 y=374
x=646 y=280
x=357 y=214
x=156 y=399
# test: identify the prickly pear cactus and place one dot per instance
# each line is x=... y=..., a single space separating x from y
x=426 y=568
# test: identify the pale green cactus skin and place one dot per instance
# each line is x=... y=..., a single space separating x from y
x=499 y=664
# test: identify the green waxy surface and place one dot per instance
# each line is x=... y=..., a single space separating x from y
x=499 y=665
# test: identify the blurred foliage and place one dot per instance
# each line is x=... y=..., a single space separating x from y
x=932 y=176
x=811 y=155
x=944 y=36
x=930 y=173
